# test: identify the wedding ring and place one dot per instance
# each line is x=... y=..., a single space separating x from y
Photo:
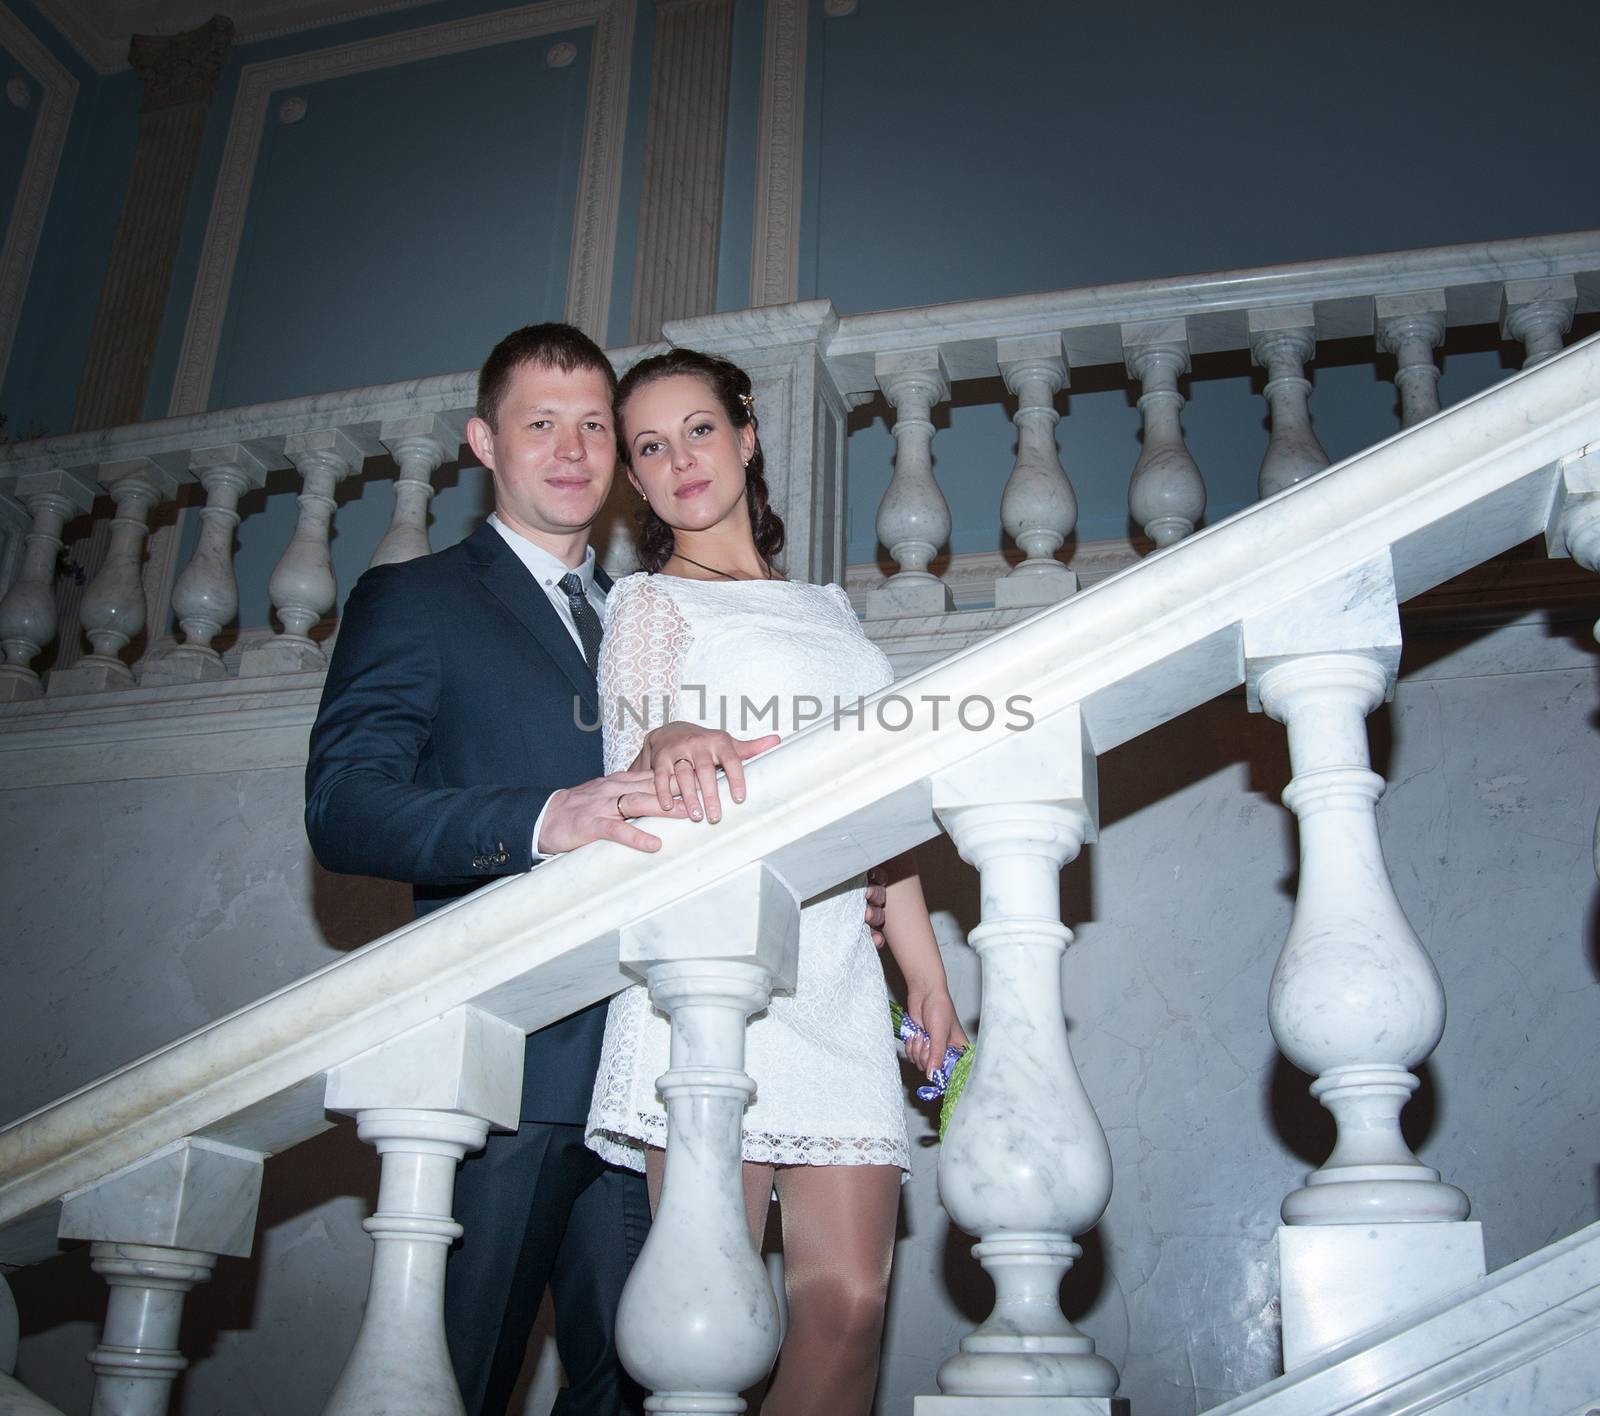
x=620 y=812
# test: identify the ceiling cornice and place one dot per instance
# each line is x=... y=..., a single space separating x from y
x=100 y=29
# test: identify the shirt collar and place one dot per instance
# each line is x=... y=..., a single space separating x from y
x=544 y=567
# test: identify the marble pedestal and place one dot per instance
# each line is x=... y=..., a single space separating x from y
x=1026 y=588
x=282 y=654
x=183 y=664
x=904 y=595
x=1340 y=1280
x=1020 y=1406
x=88 y=675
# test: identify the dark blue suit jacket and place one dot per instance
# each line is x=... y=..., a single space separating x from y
x=450 y=714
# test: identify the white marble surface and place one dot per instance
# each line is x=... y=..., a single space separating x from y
x=698 y=1321
x=468 y=1063
x=1521 y=1342
x=190 y=1195
x=1215 y=307
x=1337 y=1281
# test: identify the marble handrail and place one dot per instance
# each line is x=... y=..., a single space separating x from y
x=1215 y=306
x=1128 y=654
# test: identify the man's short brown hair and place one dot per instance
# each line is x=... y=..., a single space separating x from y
x=554 y=345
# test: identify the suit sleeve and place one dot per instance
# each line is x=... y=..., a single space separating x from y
x=367 y=812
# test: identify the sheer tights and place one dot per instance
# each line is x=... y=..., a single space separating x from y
x=838 y=1240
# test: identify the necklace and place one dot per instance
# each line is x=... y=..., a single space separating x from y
x=724 y=574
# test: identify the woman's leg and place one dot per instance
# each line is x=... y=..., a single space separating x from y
x=757 y=1190
x=838 y=1240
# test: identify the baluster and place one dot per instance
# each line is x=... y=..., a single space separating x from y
x=423 y=1100
x=206 y=595
x=1574 y=530
x=1038 y=508
x=913 y=518
x=1537 y=313
x=14 y=524
x=1354 y=1001
x=1166 y=495
x=698 y=1322
x=302 y=586
x=419 y=446
x=1024 y=1165
x=28 y=611
x=1281 y=340
x=113 y=608
x=1411 y=327
x=157 y=1228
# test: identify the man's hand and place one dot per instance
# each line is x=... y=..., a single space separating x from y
x=594 y=811
x=683 y=759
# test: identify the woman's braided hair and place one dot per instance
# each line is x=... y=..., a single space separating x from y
x=731 y=385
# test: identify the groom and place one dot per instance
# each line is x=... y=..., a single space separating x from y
x=447 y=752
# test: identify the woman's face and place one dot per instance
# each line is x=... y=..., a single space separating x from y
x=687 y=458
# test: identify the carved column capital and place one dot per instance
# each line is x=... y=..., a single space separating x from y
x=181 y=68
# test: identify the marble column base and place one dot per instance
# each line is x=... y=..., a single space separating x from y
x=923 y=595
x=185 y=664
x=89 y=675
x=1340 y=1280
x=1024 y=588
x=282 y=655
x=1020 y=1406
x=19 y=685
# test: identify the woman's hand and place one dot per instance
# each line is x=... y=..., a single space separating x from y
x=931 y=1009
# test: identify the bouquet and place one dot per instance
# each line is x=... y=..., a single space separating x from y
x=948 y=1079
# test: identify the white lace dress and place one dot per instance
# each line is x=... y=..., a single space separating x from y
x=828 y=1087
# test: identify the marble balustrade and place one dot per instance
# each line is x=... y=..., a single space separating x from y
x=418 y=1035
x=810 y=366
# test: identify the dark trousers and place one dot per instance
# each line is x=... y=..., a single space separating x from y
x=541 y=1209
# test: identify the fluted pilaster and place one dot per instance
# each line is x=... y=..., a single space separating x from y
x=680 y=208
x=180 y=72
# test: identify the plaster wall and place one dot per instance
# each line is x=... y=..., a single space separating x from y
x=143 y=908
x=16 y=130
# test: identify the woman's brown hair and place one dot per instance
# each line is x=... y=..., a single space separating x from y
x=731 y=385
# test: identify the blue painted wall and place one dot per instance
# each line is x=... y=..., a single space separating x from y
x=41 y=381
x=968 y=151
x=410 y=218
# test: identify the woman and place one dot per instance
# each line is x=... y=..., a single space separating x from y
x=828 y=1123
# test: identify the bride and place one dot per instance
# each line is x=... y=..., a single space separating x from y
x=708 y=632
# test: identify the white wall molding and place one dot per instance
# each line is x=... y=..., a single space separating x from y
x=100 y=32
x=780 y=144
x=58 y=92
x=599 y=184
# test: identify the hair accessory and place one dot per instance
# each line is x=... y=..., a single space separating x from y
x=748 y=401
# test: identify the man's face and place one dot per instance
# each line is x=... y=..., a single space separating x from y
x=552 y=454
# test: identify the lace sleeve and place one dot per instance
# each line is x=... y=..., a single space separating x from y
x=641 y=665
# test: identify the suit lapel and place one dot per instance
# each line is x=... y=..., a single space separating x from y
x=507 y=579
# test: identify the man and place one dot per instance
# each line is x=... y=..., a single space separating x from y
x=447 y=752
